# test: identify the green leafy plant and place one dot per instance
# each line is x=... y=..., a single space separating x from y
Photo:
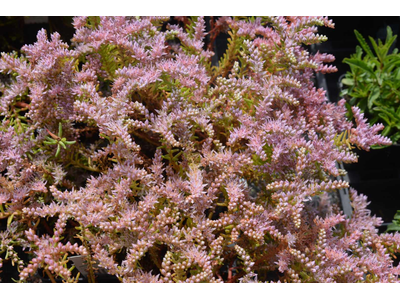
x=395 y=225
x=373 y=83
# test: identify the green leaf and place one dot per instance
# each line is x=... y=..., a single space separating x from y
x=397 y=76
x=176 y=157
x=390 y=64
x=364 y=90
x=389 y=112
x=397 y=216
x=386 y=131
x=348 y=81
x=58 y=150
x=385 y=118
x=349 y=113
x=62 y=144
x=395 y=137
x=389 y=34
x=373 y=96
x=377 y=49
x=389 y=40
x=397 y=125
x=393 y=227
x=360 y=64
x=9 y=220
x=363 y=44
x=343 y=92
x=358 y=53
x=51 y=140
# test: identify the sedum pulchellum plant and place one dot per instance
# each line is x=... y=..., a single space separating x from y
x=178 y=170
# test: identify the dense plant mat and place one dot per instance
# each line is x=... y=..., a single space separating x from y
x=133 y=151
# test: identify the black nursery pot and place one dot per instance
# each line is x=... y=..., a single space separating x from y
x=377 y=175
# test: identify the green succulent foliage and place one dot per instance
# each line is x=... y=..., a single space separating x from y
x=373 y=83
x=58 y=140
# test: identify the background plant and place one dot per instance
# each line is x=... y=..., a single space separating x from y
x=373 y=83
x=395 y=225
x=181 y=170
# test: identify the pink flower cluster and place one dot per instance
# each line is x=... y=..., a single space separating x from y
x=183 y=171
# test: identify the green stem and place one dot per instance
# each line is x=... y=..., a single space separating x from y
x=91 y=278
x=76 y=164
